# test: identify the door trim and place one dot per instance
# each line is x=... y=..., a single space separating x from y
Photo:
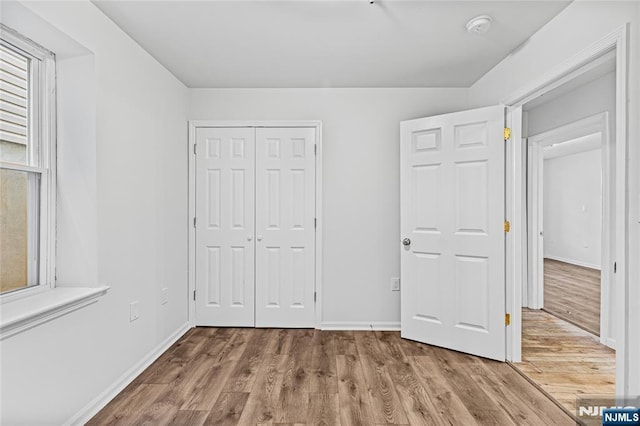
x=616 y=41
x=191 y=240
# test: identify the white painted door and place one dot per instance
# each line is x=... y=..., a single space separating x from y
x=225 y=172
x=452 y=224
x=285 y=228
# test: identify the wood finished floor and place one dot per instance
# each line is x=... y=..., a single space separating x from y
x=565 y=360
x=226 y=376
x=572 y=293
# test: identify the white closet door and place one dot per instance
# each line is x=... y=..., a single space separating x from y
x=225 y=175
x=285 y=229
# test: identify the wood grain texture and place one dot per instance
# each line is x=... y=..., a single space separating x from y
x=572 y=293
x=565 y=360
x=309 y=377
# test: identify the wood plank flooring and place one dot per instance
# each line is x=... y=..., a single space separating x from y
x=226 y=376
x=565 y=360
x=572 y=293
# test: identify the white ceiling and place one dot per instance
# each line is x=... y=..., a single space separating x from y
x=324 y=43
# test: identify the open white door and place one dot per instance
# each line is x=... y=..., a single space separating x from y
x=452 y=224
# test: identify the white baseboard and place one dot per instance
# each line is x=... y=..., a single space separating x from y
x=607 y=341
x=361 y=325
x=573 y=262
x=98 y=403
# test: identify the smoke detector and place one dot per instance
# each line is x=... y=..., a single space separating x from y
x=479 y=24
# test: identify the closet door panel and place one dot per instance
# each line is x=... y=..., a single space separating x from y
x=285 y=227
x=225 y=179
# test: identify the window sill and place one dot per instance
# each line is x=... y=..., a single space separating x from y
x=22 y=314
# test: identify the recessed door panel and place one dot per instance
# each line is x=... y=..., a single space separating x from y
x=427 y=306
x=471 y=135
x=273 y=278
x=471 y=197
x=298 y=199
x=298 y=267
x=213 y=198
x=272 y=190
x=427 y=184
x=238 y=278
x=213 y=276
x=426 y=140
x=239 y=190
x=472 y=290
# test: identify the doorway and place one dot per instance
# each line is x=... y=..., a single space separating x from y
x=568 y=305
x=571 y=211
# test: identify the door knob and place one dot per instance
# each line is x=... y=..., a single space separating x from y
x=249 y=238
x=259 y=238
x=406 y=242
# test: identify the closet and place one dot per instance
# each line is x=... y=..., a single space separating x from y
x=255 y=226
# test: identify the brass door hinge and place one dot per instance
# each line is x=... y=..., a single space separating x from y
x=507 y=319
x=507 y=226
x=507 y=133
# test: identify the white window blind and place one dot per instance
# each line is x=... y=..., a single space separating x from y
x=14 y=95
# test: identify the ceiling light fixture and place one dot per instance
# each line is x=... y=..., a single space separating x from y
x=479 y=24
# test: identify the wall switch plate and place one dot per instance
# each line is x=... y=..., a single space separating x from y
x=395 y=284
x=134 y=313
x=164 y=298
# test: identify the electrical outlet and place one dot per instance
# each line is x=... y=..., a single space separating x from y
x=164 y=298
x=134 y=313
x=395 y=284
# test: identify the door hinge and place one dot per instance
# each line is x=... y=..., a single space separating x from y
x=507 y=133
x=315 y=222
x=507 y=226
x=194 y=295
x=194 y=222
x=194 y=149
x=507 y=319
x=615 y=267
x=315 y=149
x=314 y=296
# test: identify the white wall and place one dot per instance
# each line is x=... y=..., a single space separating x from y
x=573 y=208
x=576 y=28
x=361 y=181
x=77 y=210
x=589 y=99
x=122 y=215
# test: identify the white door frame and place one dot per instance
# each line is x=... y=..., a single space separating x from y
x=616 y=41
x=534 y=285
x=193 y=125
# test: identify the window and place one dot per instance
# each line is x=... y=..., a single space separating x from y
x=27 y=165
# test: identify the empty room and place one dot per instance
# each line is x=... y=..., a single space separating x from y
x=350 y=212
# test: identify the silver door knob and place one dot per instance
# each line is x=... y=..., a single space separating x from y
x=259 y=238
x=406 y=242
x=249 y=238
